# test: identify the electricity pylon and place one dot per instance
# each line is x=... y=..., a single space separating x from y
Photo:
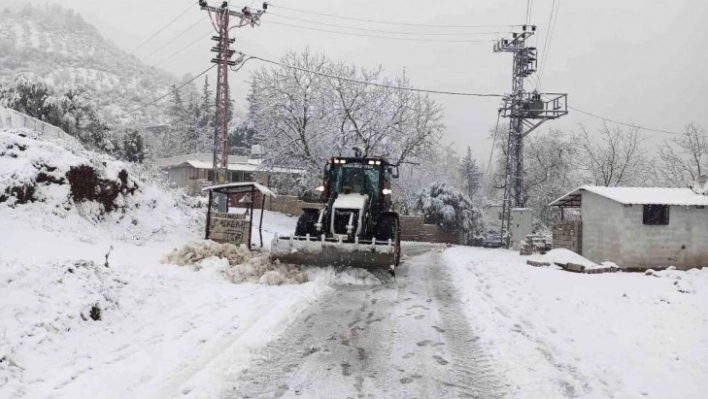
x=221 y=20
x=527 y=111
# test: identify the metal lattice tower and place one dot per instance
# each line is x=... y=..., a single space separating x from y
x=526 y=112
x=221 y=19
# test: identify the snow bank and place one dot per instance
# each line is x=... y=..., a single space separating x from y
x=557 y=334
x=47 y=186
x=237 y=264
x=562 y=255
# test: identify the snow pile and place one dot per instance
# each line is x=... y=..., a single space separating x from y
x=46 y=185
x=236 y=263
x=563 y=256
x=623 y=335
x=683 y=281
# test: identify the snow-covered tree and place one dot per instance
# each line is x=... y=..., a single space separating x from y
x=470 y=174
x=437 y=165
x=133 y=149
x=614 y=157
x=289 y=112
x=549 y=172
x=303 y=118
x=683 y=159
x=452 y=210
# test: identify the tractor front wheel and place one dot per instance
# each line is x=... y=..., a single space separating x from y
x=388 y=228
x=306 y=224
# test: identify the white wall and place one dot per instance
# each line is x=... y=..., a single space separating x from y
x=601 y=228
x=614 y=232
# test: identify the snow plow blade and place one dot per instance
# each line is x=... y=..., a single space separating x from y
x=318 y=252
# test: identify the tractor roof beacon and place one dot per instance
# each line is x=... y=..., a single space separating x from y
x=354 y=225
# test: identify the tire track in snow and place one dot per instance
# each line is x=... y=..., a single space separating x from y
x=400 y=339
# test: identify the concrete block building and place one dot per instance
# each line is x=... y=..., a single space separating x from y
x=636 y=227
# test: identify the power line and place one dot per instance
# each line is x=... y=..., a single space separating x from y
x=453 y=93
x=491 y=153
x=391 y=22
x=170 y=91
x=388 y=31
x=184 y=48
x=546 y=49
x=189 y=28
x=378 y=36
x=545 y=43
x=625 y=123
x=154 y=35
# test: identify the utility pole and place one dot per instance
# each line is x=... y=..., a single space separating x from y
x=221 y=20
x=526 y=111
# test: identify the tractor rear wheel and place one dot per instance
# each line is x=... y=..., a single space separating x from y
x=306 y=224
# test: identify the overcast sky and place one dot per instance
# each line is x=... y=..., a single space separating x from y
x=637 y=61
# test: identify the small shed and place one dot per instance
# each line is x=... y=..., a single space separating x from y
x=235 y=228
x=636 y=227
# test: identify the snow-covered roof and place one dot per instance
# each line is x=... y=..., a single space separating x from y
x=197 y=156
x=204 y=161
x=263 y=189
x=636 y=196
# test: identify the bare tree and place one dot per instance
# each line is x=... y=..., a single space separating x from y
x=289 y=114
x=615 y=157
x=302 y=118
x=548 y=171
x=683 y=159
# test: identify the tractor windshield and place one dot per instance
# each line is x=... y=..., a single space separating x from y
x=357 y=178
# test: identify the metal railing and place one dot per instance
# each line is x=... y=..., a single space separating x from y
x=11 y=119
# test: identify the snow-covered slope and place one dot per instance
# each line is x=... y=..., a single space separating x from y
x=60 y=47
x=75 y=324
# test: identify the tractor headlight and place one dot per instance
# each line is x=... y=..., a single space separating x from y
x=320 y=188
x=387 y=191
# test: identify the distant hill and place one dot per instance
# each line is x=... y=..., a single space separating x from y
x=57 y=45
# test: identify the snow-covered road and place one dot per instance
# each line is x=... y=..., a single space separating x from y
x=403 y=338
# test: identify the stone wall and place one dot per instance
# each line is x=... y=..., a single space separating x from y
x=569 y=235
x=413 y=228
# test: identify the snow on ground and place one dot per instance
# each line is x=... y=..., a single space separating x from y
x=70 y=327
x=560 y=334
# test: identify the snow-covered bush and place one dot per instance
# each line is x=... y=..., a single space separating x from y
x=453 y=211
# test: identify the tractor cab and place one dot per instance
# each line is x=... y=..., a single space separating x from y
x=364 y=176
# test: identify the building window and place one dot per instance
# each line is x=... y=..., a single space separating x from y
x=656 y=214
x=210 y=175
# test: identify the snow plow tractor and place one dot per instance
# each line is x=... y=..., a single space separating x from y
x=354 y=224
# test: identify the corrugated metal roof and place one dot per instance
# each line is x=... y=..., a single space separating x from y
x=637 y=196
x=226 y=186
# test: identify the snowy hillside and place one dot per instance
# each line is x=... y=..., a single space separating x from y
x=62 y=48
